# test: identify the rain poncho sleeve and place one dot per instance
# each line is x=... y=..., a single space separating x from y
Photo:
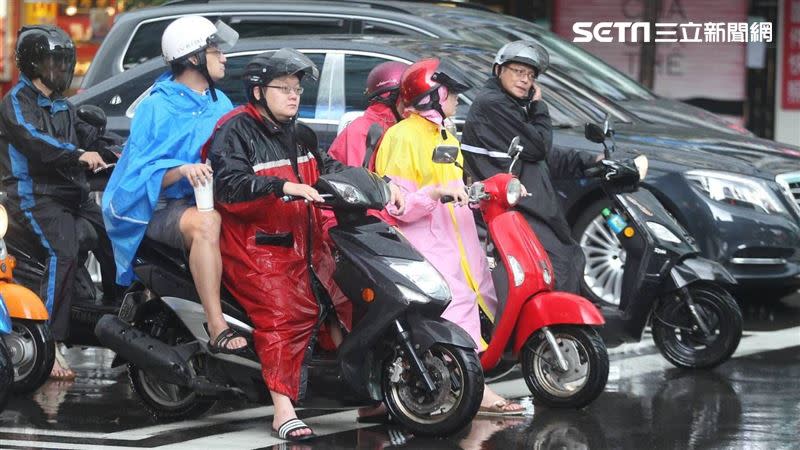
x=168 y=130
x=445 y=234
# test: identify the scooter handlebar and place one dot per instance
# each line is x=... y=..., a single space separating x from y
x=295 y=198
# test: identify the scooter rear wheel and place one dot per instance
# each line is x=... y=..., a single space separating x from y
x=458 y=378
x=165 y=401
x=584 y=380
x=33 y=352
x=689 y=348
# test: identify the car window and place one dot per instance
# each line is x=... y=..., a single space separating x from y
x=233 y=87
x=146 y=41
x=257 y=26
x=356 y=69
x=374 y=27
x=145 y=44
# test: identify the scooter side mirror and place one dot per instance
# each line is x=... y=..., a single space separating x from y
x=445 y=154
x=514 y=148
x=594 y=132
x=93 y=115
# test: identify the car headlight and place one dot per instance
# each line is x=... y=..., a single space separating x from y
x=349 y=193
x=513 y=191
x=423 y=275
x=3 y=221
x=663 y=233
x=737 y=190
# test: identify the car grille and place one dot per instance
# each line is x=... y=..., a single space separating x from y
x=791 y=186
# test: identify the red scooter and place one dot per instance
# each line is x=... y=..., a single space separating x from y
x=564 y=360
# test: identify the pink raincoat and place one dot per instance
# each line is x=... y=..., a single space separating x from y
x=444 y=233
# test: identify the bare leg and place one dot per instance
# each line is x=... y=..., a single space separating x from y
x=201 y=234
x=284 y=410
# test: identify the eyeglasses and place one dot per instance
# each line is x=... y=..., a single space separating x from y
x=287 y=90
x=520 y=73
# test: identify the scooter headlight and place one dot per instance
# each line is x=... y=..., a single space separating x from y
x=349 y=193
x=513 y=191
x=663 y=233
x=3 y=221
x=423 y=275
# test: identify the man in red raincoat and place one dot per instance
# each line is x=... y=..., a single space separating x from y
x=257 y=158
x=383 y=87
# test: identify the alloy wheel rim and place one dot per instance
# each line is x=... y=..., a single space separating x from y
x=605 y=261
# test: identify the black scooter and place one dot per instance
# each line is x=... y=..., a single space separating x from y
x=399 y=351
x=695 y=322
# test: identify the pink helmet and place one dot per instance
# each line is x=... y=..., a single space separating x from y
x=383 y=78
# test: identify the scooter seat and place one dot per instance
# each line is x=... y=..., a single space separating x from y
x=172 y=260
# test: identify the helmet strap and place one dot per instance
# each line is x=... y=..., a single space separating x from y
x=391 y=102
x=202 y=67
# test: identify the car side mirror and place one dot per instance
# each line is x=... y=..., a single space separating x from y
x=94 y=116
x=514 y=148
x=594 y=132
x=445 y=154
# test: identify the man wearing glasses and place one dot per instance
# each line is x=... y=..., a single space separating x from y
x=151 y=192
x=510 y=104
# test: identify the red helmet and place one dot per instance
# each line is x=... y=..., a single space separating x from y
x=383 y=78
x=423 y=78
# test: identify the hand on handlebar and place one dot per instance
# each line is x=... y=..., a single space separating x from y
x=448 y=194
x=302 y=190
x=93 y=161
x=397 y=199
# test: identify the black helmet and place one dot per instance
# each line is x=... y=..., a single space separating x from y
x=267 y=66
x=46 y=52
x=523 y=52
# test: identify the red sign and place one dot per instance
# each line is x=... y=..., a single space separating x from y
x=791 y=56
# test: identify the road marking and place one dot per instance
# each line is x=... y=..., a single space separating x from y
x=343 y=421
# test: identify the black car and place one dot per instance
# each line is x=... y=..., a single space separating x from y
x=135 y=38
x=731 y=192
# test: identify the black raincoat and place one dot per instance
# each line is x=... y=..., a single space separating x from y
x=494 y=119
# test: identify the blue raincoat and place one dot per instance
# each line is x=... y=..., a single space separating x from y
x=169 y=129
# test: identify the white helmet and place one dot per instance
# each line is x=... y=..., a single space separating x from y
x=190 y=34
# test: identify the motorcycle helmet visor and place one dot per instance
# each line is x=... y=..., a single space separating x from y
x=58 y=68
x=225 y=37
x=448 y=76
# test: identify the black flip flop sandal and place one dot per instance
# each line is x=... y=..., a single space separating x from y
x=220 y=344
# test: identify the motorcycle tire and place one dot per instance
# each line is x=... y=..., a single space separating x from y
x=457 y=373
x=6 y=375
x=588 y=361
x=684 y=347
x=164 y=401
x=35 y=352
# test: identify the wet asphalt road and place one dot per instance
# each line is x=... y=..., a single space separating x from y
x=752 y=401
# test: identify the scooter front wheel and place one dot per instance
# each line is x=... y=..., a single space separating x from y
x=458 y=380
x=33 y=352
x=683 y=342
x=587 y=367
